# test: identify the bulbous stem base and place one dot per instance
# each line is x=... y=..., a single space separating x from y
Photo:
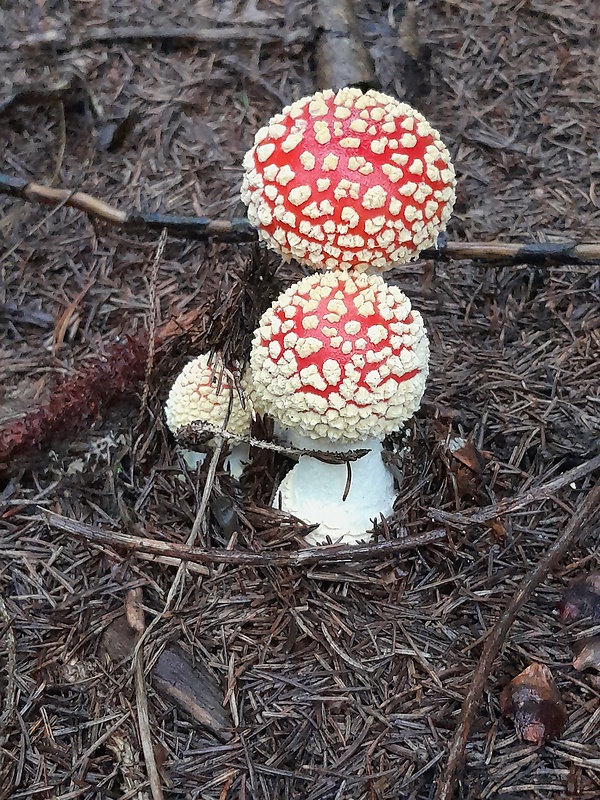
x=317 y=492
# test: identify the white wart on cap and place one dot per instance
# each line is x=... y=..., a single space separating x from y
x=340 y=357
x=349 y=180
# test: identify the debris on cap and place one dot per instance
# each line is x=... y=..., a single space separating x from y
x=340 y=357
x=349 y=180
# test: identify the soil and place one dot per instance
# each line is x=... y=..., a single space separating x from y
x=333 y=681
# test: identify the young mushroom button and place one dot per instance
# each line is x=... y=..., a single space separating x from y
x=340 y=361
x=348 y=181
x=197 y=397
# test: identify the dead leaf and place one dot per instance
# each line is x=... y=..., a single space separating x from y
x=581 y=600
x=534 y=703
x=119 y=640
x=587 y=654
x=465 y=451
x=498 y=529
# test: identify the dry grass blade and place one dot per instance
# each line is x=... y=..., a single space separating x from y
x=141 y=696
x=134 y=616
x=8 y=705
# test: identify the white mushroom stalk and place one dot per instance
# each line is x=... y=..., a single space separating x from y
x=197 y=397
x=341 y=361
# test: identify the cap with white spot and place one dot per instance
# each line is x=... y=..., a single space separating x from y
x=197 y=397
x=349 y=180
x=340 y=356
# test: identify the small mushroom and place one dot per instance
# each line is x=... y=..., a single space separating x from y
x=340 y=361
x=349 y=180
x=196 y=396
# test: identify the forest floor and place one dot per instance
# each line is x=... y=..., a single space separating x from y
x=335 y=681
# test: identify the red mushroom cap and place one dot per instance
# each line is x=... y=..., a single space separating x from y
x=340 y=356
x=349 y=180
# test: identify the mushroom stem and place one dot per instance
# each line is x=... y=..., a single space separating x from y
x=344 y=499
x=234 y=463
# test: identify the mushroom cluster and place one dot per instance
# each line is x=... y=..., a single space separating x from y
x=349 y=183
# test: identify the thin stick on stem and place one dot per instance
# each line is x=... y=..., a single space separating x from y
x=584 y=515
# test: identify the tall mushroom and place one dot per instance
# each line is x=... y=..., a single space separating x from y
x=348 y=180
x=196 y=396
x=339 y=360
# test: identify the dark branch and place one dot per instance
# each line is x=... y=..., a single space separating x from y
x=239 y=230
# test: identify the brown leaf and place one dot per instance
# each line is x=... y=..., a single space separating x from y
x=119 y=640
x=498 y=529
x=588 y=654
x=534 y=703
x=121 y=636
x=581 y=600
x=466 y=452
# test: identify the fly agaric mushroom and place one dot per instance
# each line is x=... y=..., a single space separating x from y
x=348 y=181
x=197 y=397
x=340 y=361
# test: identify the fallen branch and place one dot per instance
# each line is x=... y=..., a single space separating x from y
x=542 y=254
x=174 y=35
x=584 y=516
x=341 y=56
x=241 y=558
x=478 y=516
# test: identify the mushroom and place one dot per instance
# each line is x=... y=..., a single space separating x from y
x=340 y=361
x=348 y=180
x=197 y=397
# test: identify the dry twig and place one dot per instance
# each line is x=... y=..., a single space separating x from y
x=541 y=254
x=196 y=434
x=314 y=555
x=135 y=619
x=584 y=516
x=174 y=35
x=477 y=516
